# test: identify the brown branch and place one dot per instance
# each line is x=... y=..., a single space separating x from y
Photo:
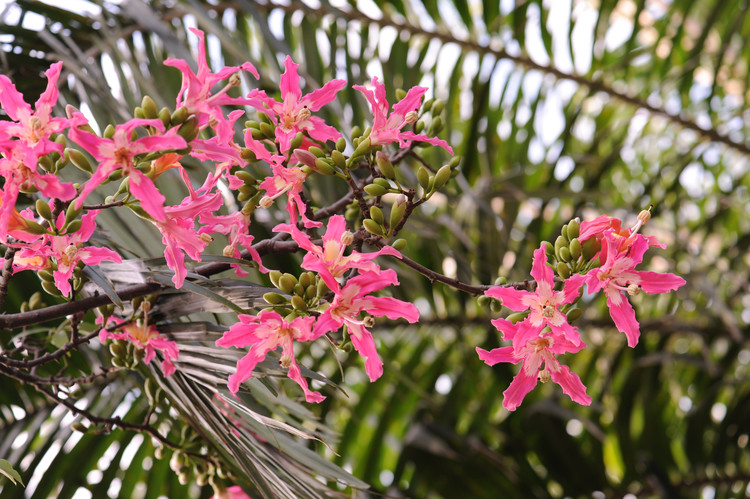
x=6 y=274
x=50 y=356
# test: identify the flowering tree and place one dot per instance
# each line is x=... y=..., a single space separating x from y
x=325 y=204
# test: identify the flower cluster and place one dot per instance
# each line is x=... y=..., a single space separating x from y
x=545 y=331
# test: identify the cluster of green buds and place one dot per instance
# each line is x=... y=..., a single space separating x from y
x=125 y=354
x=35 y=302
x=300 y=295
x=190 y=463
x=433 y=182
x=572 y=256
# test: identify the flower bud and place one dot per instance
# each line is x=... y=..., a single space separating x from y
x=274 y=299
x=339 y=159
x=347 y=238
x=298 y=303
x=150 y=110
x=79 y=160
x=384 y=165
x=563 y=270
x=42 y=208
x=574 y=229
x=437 y=107
x=441 y=177
x=287 y=283
x=377 y=215
x=372 y=227
x=341 y=144
x=575 y=246
x=423 y=177
x=323 y=166
x=179 y=116
x=397 y=211
x=375 y=190
x=165 y=116
x=275 y=275
x=399 y=244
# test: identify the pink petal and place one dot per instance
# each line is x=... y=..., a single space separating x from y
x=295 y=374
x=657 y=282
x=624 y=317
x=322 y=96
x=496 y=355
x=519 y=387
x=571 y=385
x=393 y=309
x=365 y=344
x=511 y=298
x=151 y=199
x=290 y=81
x=540 y=271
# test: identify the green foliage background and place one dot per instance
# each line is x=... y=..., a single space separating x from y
x=629 y=104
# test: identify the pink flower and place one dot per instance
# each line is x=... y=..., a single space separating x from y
x=330 y=261
x=287 y=180
x=351 y=300
x=617 y=275
x=533 y=353
x=265 y=332
x=195 y=93
x=233 y=492
x=387 y=128
x=179 y=234
x=146 y=337
x=33 y=128
x=67 y=250
x=293 y=114
x=543 y=304
x=118 y=152
x=604 y=224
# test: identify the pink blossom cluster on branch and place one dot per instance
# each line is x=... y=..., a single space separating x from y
x=544 y=333
x=337 y=293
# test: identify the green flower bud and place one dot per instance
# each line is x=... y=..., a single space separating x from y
x=573 y=314
x=423 y=177
x=311 y=292
x=73 y=226
x=574 y=229
x=298 y=303
x=516 y=316
x=590 y=248
x=576 y=248
x=397 y=211
x=563 y=270
x=375 y=190
x=339 y=159
x=42 y=208
x=372 y=227
x=138 y=113
x=79 y=160
x=275 y=275
x=565 y=254
x=483 y=300
x=377 y=215
x=150 y=110
x=441 y=177
x=165 y=116
x=179 y=116
x=356 y=132
x=400 y=93
x=274 y=299
x=399 y=244
x=268 y=130
x=46 y=163
x=324 y=167
x=306 y=279
x=287 y=283
x=297 y=141
x=384 y=165
x=317 y=151
x=437 y=107
x=341 y=144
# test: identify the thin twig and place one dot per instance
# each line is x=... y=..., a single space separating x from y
x=6 y=274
